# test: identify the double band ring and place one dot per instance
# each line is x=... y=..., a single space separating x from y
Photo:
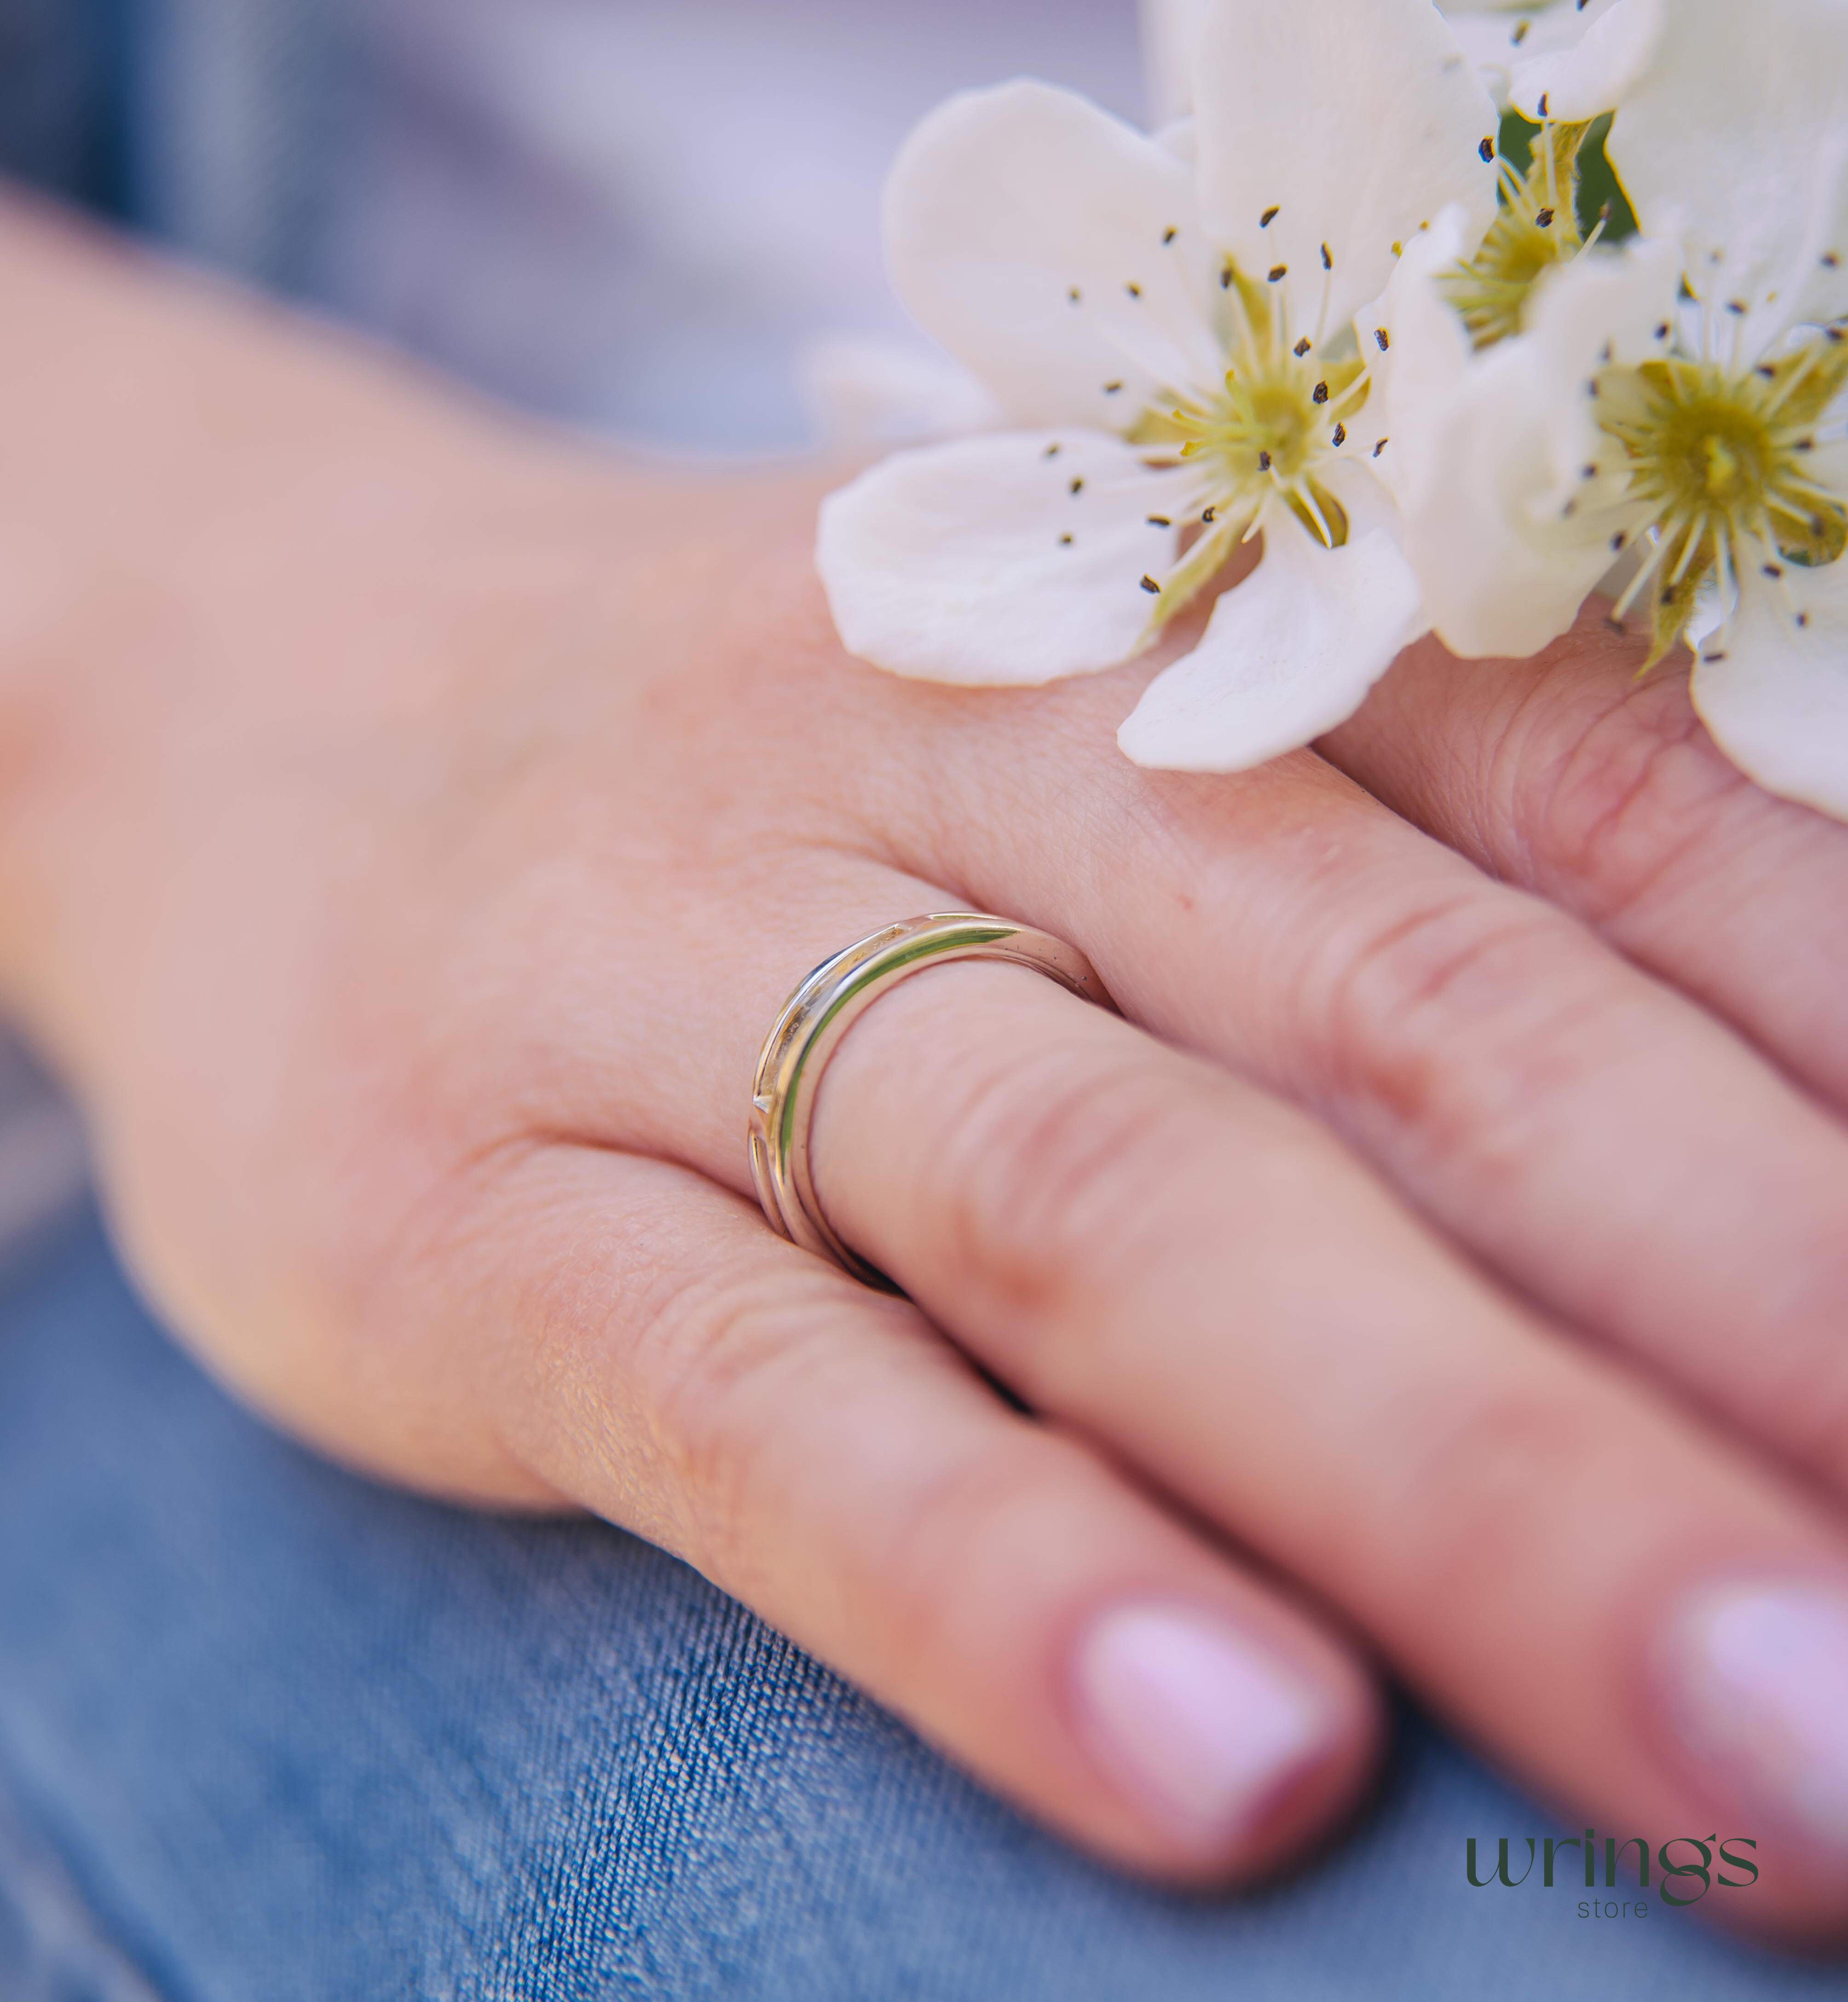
x=821 y=1011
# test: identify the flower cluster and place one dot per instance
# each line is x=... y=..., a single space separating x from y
x=1321 y=319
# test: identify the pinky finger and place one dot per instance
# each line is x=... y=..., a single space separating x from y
x=820 y=1453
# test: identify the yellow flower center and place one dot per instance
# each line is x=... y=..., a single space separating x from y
x=1720 y=457
x=1282 y=410
x=1536 y=228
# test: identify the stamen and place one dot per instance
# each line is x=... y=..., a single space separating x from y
x=1269 y=216
x=1150 y=585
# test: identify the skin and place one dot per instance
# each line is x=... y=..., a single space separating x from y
x=411 y=825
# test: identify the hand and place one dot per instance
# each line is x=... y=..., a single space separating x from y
x=414 y=826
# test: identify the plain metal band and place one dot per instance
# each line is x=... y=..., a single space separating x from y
x=821 y=1011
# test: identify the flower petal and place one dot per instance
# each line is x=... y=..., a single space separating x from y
x=1170 y=29
x=1426 y=358
x=1056 y=252
x=1349 y=123
x=1736 y=128
x=1775 y=694
x=1493 y=526
x=952 y=563
x=870 y=392
x=1582 y=74
x=1502 y=39
x=1288 y=654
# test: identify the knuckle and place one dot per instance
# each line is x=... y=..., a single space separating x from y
x=1483 y=1495
x=712 y=1366
x=1633 y=792
x=1063 y=1177
x=1461 y=1022
x=1800 y=1373
x=998 y=1508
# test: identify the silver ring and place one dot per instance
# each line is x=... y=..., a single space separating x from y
x=821 y=1011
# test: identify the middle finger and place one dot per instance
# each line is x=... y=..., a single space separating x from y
x=1622 y=1157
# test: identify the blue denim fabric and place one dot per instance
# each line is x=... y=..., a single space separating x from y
x=270 y=1734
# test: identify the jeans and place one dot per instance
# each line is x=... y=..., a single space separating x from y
x=269 y=1733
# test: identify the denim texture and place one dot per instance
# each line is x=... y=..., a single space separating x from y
x=269 y=1733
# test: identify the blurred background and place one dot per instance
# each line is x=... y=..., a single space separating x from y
x=654 y=219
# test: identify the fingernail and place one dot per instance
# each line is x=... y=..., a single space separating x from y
x=1760 y=1681
x=1202 y=1727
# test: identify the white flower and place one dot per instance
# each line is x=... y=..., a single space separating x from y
x=1507 y=40
x=1681 y=405
x=1499 y=36
x=1174 y=344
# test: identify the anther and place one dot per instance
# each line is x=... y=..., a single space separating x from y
x=1169 y=234
x=1738 y=307
x=1802 y=622
x=1773 y=571
x=1319 y=395
x=1225 y=279
x=1520 y=34
x=1301 y=347
x=1077 y=484
x=1076 y=296
x=1327 y=258
x=1384 y=339
x=1831 y=260
x=1710 y=658
x=1052 y=451
x=1544 y=219
x=1381 y=447
x=1159 y=521
x=1340 y=434
x=1133 y=289
x=1065 y=542
x=1542 y=106
x=1264 y=461
x=1278 y=271
x=1150 y=586
x=1662 y=331
x=1113 y=388
x=1486 y=149
x=1269 y=217
x=1210 y=513
x=1618 y=540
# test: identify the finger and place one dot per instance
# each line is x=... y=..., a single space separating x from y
x=1617 y=1154
x=642 y=1343
x=1156 y=1254
x=1569 y=774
